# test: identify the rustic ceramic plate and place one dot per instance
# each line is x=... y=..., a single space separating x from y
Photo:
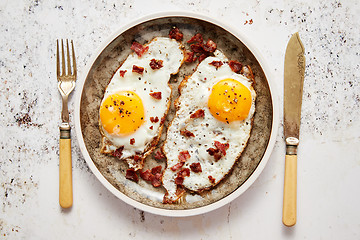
x=111 y=171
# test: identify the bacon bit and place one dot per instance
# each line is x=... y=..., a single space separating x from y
x=235 y=66
x=177 y=166
x=156 y=95
x=122 y=73
x=215 y=152
x=189 y=57
x=184 y=173
x=221 y=146
x=210 y=46
x=202 y=57
x=138 y=48
x=154 y=120
x=198 y=114
x=162 y=120
x=211 y=179
x=183 y=156
x=197 y=48
x=151 y=127
x=176 y=34
x=137 y=69
x=159 y=155
x=156 y=64
x=132 y=141
x=156 y=181
x=186 y=133
x=137 y=158
x=219 y=151
x=196 y=38
x=195 y=167
x=216 y=64
x=179 y=180
x=131 y=175
x=146 y=175
x=251 y=21
x=118 y=152
x=156 y=169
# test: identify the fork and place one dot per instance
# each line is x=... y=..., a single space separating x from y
x=66 y=83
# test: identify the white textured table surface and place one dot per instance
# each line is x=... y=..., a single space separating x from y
x=328 y=157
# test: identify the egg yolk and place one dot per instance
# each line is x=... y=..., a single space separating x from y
x=122 y=113
x=229 y=101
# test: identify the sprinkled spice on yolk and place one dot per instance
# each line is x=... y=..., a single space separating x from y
x=229 y=101
x=122 y=113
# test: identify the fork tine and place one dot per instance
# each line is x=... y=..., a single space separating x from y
x=63 y=58
x=73 y=57
x=57 y=59
x=68 y=58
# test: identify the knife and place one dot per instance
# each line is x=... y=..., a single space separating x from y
x=294 y=69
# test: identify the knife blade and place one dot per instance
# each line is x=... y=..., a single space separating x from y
x=294 y=69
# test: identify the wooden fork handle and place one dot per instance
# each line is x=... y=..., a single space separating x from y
x=289 y=204
x=65 y=170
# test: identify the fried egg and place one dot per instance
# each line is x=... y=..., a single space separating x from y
x=137 y=100
x=210 y=129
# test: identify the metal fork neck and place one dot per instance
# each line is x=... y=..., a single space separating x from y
x=65 y=110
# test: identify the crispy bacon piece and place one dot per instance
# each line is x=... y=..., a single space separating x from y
x=122 y=73
x=156 y=95
x=189 y=57
x=156 y=181
x=137 y=158
x=159 y=155
x=156 y=169
x=118 y=152
x=198 y=114
x=179 y=180
x=235 y=66
x=132 y=141
x=210 y=46
x=219 y=150
x=196 y=38
x=176 y=34
x=138 y=48
x=197 y=48
x=221 y=146
x=186 y=133
x=154 y=119
x=184 y=173
x=216 y=64
x=211 y=179
x=215 y=152
x=183 y=156
x=177 y=166
x=137 y=69
x=151 y=127
x=195 y=167
x=156 y=64
x=162 y=120
x=131 y=175
x=202 y=57
x=146 y=175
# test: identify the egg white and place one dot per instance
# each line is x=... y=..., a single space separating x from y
x=194 y=95
x=161 y=48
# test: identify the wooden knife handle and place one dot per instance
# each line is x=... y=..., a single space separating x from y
x=289 y=204
x=65 y=174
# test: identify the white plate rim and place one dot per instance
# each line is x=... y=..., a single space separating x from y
x=184 y=212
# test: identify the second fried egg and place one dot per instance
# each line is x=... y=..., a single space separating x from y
x=211 y=127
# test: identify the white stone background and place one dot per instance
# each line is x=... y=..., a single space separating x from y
x=328 y=157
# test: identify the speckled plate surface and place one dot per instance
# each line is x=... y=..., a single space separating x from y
x=111 y=171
